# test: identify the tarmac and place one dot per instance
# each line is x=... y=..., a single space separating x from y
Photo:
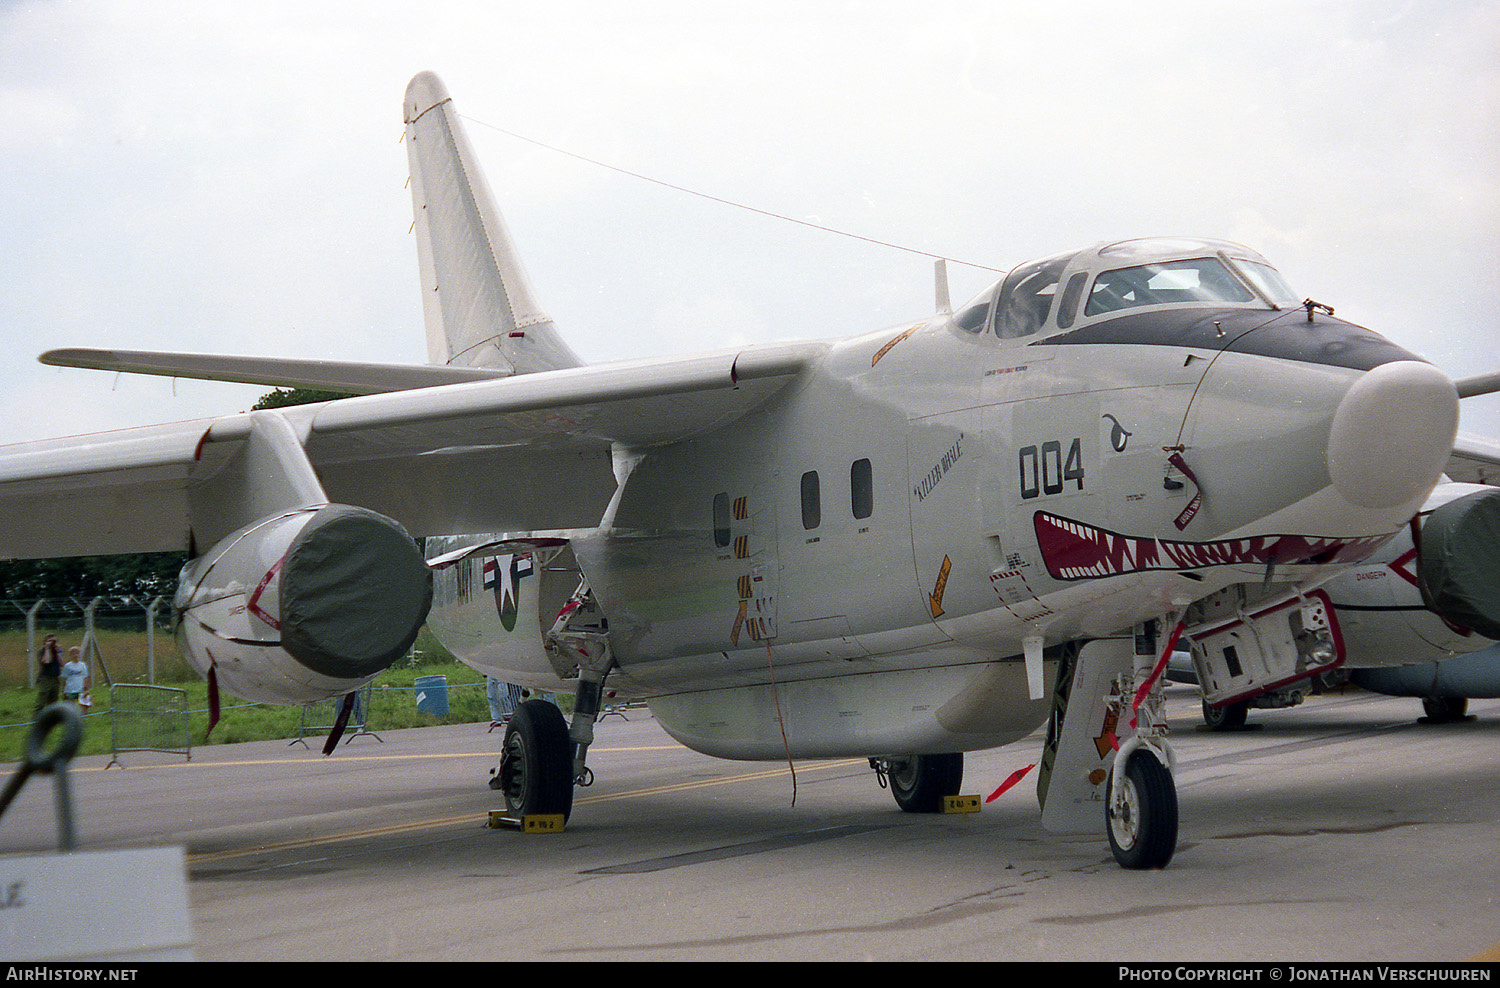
x=1344 y=830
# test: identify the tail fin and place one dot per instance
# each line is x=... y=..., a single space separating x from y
x=476 y=298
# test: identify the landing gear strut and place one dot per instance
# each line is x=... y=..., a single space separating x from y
x=542 y=758
x=1140 y=801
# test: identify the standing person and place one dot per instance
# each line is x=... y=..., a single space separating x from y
x=48 y=674
x=75 y=675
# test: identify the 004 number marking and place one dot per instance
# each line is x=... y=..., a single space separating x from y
x=1045 y=470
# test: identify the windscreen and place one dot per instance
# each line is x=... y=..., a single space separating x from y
x=1268 y=280
x=1202 y=279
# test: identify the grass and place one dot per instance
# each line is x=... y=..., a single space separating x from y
x=393 y=701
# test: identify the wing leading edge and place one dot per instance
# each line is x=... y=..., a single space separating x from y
x=1475 y=460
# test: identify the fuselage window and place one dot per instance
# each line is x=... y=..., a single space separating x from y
x=812 y=506
x=721 y=520
x=861 y=489
x=1067 y=309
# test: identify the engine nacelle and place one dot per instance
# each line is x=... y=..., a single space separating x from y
x=305 y=605
x=1459 y=571
x=1416 y=601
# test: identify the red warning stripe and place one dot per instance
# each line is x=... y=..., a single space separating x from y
x=254 y=604
x=1181 y=521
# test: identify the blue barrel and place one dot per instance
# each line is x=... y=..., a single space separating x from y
x=432 y=695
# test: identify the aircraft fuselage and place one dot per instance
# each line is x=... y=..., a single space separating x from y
x=892 y=526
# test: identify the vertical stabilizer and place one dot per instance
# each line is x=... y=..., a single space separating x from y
x=476 y=299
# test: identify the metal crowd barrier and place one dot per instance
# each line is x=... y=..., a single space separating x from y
x=148 y=718
x=320 y=718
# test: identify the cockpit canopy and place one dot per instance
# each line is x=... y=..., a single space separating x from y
x=1070 y=289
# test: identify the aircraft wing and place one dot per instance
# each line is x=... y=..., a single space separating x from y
x=521 y=453
x=345 y=377
x=1479 y=384
x=1475 y=460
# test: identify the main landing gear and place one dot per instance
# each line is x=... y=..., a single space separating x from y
x=921 y=782
x=1444 y=709
x=536 y=763
x=1230 y=717
x=542 y=758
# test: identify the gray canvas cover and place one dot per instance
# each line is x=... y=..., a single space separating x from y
x=354 y=593
x=1459 y=572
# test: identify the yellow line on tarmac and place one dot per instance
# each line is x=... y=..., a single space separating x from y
x=397 y=828
x=337 y=758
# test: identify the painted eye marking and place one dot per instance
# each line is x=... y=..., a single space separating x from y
x=1118 y=437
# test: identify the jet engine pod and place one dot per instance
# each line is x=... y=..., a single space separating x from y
x=303 y=606
x=1459 y=568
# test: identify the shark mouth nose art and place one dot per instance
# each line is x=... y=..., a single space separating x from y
x=1074 y=550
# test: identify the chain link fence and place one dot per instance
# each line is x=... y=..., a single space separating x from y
x=146 y=621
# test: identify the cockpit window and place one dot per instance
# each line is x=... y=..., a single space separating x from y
x=1268 y=280
x=1067 y=309
x=1026 y=297
x=1203 y=279
x=973 y=317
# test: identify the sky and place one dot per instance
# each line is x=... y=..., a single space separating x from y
x=229 y=178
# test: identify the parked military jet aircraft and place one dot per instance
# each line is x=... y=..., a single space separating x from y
x=922 y=541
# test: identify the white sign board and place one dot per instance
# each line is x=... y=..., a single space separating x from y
x=96 y=906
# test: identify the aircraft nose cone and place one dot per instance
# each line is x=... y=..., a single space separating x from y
x=1392 y=434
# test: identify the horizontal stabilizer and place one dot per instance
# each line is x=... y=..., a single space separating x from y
x=344 y=377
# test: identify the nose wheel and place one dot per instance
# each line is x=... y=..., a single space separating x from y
x=1141 y=811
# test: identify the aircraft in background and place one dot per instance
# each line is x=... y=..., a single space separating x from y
x=1416 y=617
x=917 y=542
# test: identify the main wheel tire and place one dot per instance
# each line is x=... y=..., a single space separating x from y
x=536 y=762
x=1445 y=709
x=1230 y=718
x=1143 y=831
x=920 y=782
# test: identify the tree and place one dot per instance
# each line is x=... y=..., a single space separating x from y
x=281 y=398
